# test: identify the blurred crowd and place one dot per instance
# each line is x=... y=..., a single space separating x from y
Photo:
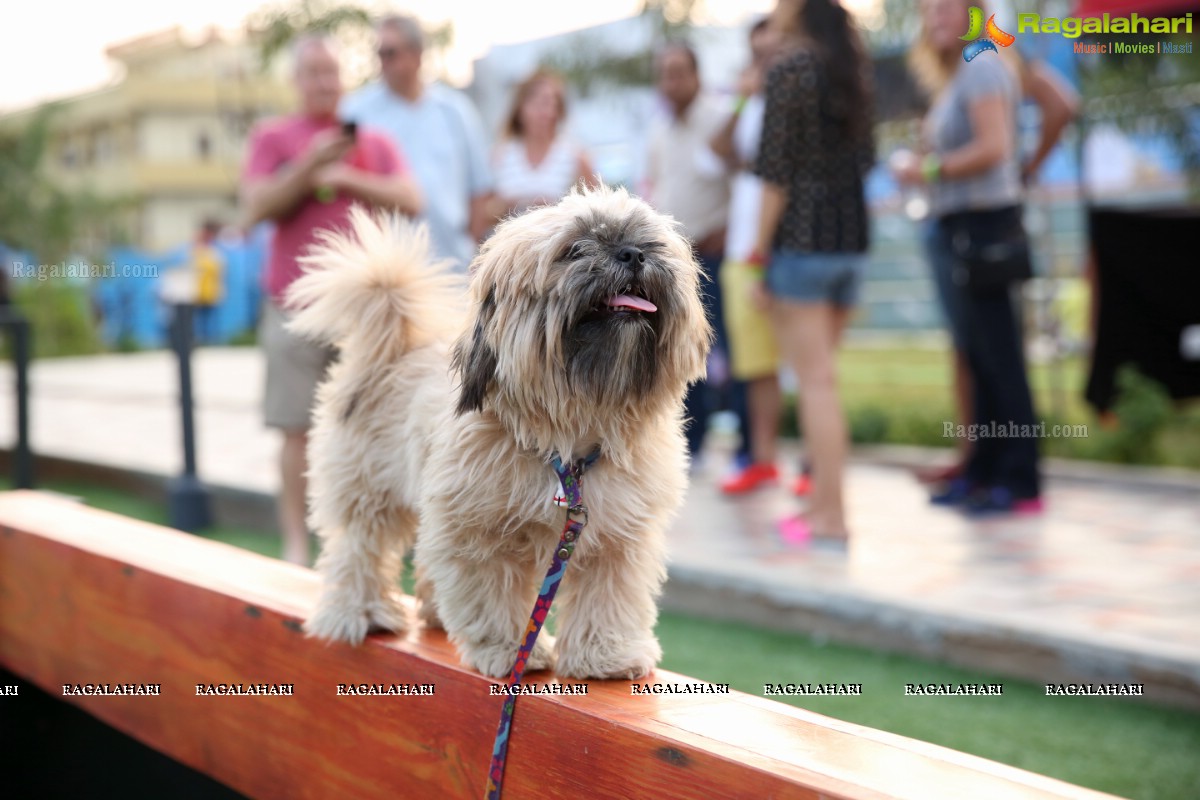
x=769 y=186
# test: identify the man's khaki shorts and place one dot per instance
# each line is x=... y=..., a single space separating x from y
x=295 y=366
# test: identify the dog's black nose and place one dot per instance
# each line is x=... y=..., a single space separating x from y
x=631 y=255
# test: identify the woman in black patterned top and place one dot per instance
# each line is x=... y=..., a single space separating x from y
x=816 y=148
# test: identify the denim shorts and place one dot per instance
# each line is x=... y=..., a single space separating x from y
x=832 y=278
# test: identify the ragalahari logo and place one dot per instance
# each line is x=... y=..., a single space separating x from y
x=992 y=35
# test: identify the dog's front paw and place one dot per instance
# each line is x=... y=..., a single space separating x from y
x=350 y=621
x=542 y=656
x=616 y=660
x=497 y=660
x=388 y=614
x=336 y=622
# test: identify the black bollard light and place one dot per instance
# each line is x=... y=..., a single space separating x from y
x=18 y=326
x=189 y=501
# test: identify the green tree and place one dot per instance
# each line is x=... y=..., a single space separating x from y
x=895 y=26
x=276 y=26
x=1148 y=96
x=35 y=215
x=51 y=225
x=585 y=66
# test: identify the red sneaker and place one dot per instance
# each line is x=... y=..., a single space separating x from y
x=802 y=486
x=939 y=474
x=750 y=478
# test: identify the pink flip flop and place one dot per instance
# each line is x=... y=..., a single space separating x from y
x=796 y=531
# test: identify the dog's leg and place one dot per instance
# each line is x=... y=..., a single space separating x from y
x=484 y=603
x=607 y=610
x=426 y=605
x=360 y=567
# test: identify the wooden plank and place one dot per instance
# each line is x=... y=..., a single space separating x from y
x=91 y=597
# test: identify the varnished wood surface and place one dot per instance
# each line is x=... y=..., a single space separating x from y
x=92 y=597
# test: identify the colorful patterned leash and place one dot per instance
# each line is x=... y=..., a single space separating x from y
x=571 y=478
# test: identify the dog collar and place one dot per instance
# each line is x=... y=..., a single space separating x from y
x=570 y=476
x=585 y=463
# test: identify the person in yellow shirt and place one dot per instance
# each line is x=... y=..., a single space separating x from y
x=208 y=266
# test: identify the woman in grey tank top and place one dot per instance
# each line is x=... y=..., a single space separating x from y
x=971 y=173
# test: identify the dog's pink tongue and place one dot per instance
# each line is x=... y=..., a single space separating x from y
x=629 y=301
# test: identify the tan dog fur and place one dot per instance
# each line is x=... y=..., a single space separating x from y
x=436 y=425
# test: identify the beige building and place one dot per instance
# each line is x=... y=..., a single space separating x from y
x=169 y=135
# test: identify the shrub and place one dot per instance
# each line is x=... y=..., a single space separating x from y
x=60 y=317
x=868 y=425
x=1144 y=411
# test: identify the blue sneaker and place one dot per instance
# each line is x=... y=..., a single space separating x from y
x=989 y=502
x=998 y=500
x=956 y=493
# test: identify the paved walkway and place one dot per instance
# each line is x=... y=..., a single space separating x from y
x=1105 y=584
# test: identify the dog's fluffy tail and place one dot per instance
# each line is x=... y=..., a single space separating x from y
x=374 y=292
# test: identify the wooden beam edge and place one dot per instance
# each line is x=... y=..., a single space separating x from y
x=689 y=722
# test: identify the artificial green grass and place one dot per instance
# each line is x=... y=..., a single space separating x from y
x=1125 y=748
x=902 y=395
x=885 y=374
x=132 y=506
x=916 y=382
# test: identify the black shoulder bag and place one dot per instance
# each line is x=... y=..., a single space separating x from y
x=991 y=248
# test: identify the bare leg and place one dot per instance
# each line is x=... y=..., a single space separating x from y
x=765 y=400
x=293 y=525
x=840 y=317
x=808 y=333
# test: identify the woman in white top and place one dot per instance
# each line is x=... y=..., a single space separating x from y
x=535 y=162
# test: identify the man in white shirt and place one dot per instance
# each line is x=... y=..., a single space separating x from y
x=686 y=180
x=440 y=134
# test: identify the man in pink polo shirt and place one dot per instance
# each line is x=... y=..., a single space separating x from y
x=303 y=173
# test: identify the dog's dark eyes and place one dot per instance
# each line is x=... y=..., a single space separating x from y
x=573 y=252
x=652 y=250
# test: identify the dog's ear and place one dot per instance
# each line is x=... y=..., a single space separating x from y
x=475 y=360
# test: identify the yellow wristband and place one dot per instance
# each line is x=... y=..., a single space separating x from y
x=931 y=168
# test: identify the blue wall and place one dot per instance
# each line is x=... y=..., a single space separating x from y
x=130 y=308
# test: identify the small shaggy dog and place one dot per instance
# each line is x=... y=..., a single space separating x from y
x=437 y=424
